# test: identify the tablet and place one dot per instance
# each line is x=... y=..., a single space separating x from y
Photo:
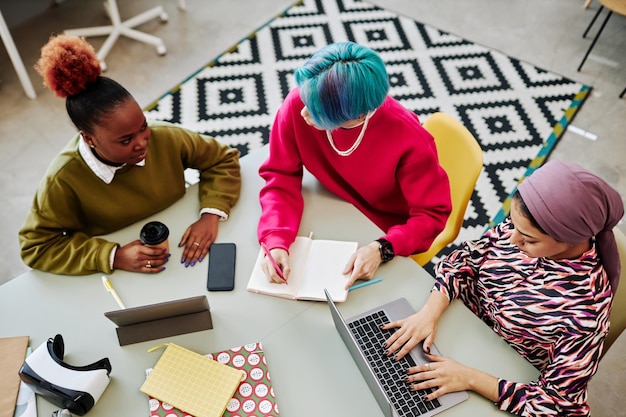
x=169 y=318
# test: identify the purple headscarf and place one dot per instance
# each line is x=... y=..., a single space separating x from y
x=572 y=205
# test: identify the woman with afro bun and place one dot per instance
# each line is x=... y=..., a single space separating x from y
x=117 y=170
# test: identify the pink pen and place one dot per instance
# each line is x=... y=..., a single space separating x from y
x=279 y=271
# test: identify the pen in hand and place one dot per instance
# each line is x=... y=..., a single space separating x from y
x=110 y=289
x=277 y=267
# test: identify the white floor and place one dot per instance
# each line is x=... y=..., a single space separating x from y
x=545 y=33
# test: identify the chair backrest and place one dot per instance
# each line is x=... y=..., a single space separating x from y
x=461 y=157
x=618 y=310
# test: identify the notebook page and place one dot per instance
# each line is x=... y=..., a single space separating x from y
x=327 y=260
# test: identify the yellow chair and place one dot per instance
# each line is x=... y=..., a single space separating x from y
x=461 y=157
x=618 y=311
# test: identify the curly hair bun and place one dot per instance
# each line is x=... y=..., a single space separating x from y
x=68 y=64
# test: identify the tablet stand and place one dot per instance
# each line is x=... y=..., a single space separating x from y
x=156 y=321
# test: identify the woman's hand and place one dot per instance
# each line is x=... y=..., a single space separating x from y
x=281 y=256
x=447 y=375
x=421 y=326
x=198 y=238
x=412 y=330
x=137 y=257
x=441 y=373
x=363 y=263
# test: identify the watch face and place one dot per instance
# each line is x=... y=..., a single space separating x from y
x=386 y=250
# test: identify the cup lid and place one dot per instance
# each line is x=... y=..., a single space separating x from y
x=153 y=233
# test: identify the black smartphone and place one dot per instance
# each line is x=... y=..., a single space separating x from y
x=221 y=276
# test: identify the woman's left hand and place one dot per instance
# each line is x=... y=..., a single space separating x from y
x=445 y=374
x=198 y=238
x=363 y=263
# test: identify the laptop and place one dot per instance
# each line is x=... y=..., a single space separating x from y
x=384 y=375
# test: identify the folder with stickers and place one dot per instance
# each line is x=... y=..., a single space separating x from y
x=255 y=395
x=191 y=382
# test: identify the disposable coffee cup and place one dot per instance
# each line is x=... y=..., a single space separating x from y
x=155 y=234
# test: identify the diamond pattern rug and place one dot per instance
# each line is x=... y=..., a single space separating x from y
x=516 y=110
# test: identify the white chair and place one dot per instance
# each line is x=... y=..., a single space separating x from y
x=125 y=28
x=7 y=39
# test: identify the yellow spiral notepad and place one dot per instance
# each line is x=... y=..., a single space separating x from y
x=191 y=382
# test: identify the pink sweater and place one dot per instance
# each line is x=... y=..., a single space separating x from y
x=393 y=177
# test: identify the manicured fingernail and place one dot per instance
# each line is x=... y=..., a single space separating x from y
x=163 y=269
x=182 y=260
x=193 y=263
x=200 y=260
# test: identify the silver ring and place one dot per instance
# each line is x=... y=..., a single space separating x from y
x=149 y=265
x=427 y=366
x=196 y=243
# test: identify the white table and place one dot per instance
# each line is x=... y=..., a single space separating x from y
x=312 y=372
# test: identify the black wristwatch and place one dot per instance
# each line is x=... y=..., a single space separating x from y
x=386 y=250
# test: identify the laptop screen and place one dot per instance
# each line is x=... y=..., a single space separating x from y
x=359 y=359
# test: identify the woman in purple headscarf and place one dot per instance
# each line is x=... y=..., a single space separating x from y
x=543 y=280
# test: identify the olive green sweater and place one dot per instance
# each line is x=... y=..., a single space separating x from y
x=72 y=205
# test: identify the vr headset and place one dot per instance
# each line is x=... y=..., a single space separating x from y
x=76 y=388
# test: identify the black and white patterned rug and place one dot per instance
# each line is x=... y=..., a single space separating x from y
x=516 y=110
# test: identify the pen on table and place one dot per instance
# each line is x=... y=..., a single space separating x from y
x=109 y=287
x=279 y=271
x=365 y=283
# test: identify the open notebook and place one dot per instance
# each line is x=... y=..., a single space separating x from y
x=315 y=264
x=254 y=395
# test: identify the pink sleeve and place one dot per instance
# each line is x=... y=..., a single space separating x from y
x=281 y=196
x=426 y=188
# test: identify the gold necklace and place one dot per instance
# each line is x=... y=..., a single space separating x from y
x=356 y=143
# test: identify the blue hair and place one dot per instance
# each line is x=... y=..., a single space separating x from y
x=342 y=82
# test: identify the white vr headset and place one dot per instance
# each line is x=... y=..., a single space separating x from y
x=76 y=388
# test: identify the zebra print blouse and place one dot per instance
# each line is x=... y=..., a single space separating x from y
x=555 y=313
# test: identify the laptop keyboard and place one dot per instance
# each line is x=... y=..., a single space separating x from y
x=390 y=372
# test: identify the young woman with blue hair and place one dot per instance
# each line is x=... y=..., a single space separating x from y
x=362 y=145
